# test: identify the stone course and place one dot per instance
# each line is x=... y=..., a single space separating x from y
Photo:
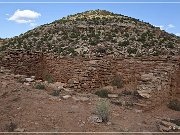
x=153 y=78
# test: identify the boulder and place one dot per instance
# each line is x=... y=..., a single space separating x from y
x=113 y=95
x=108 y=88
x=144 y=90
x=56 y=85
x=19 y=130
x=29 y=79
x=168 y=126
x=73 y=81
x=95 y=119
x=66 y=96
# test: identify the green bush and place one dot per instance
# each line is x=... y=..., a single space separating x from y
x=170 y=45
x=55 y=93
x=117 y=81
x=11 y=127
x=101 y=50
x=102 y=93
x=131 y=50
x=124 y=43
x=39 y=86
x=49 y=78
x=174 y=105
x=103 y=110
x=175 y=121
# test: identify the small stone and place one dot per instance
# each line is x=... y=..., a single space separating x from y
x=18 y=76
x=163 y=128
x=66 y=96
x=19 y=130
x=1 y=71
x=4 y=84
x=144 y=93
x=95 y=119
x=125 y=130
x=59 y=85
x=81 y=125
x=72 y=81
x=138 y=111
x=27 y=84
x=33 y=77
x=113 y=95
x=18 y=108
x=108 y=88
x=29 y=79
x=68 y=90
x=169 y=124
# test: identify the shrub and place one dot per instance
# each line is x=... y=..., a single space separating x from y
x=55 y=93
x=117 y=81
x=49 y=78
x=39 y=86
x=102 y=93
x=124 y=43
x=3 y=48
x=175 y=121
x=11 y=127
x=170 y=45
x=101 y=50
x=174 y=105
x=131 y=50
x=20 y=80
x=93 y=42
x=103 y=110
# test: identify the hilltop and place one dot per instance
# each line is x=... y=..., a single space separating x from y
x=97 y=33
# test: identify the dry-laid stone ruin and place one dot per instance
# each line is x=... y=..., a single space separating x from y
x=155 y=79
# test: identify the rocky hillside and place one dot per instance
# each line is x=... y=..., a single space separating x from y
x=97 y=33
x=1 y=41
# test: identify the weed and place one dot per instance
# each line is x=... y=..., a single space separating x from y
x=39 y=86
x=102 y=93
x=55 y=93
x=175 y=121
x=49 y=78
x=174 y=105
x=103 y=110
x=11 y=127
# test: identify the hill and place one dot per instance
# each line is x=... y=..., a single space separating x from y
x=1 y=42
x=97 y=33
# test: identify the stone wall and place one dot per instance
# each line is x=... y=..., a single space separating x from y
x=155 y=79
x=152 y=78
x=78 y=73
x=20 y=62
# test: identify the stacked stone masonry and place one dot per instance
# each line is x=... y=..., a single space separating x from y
x=155 y=78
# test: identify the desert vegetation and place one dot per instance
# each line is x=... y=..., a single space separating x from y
x=93 y=33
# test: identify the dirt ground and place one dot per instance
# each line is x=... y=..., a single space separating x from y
x=34 y=110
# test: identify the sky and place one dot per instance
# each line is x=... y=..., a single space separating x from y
x=17 y=18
